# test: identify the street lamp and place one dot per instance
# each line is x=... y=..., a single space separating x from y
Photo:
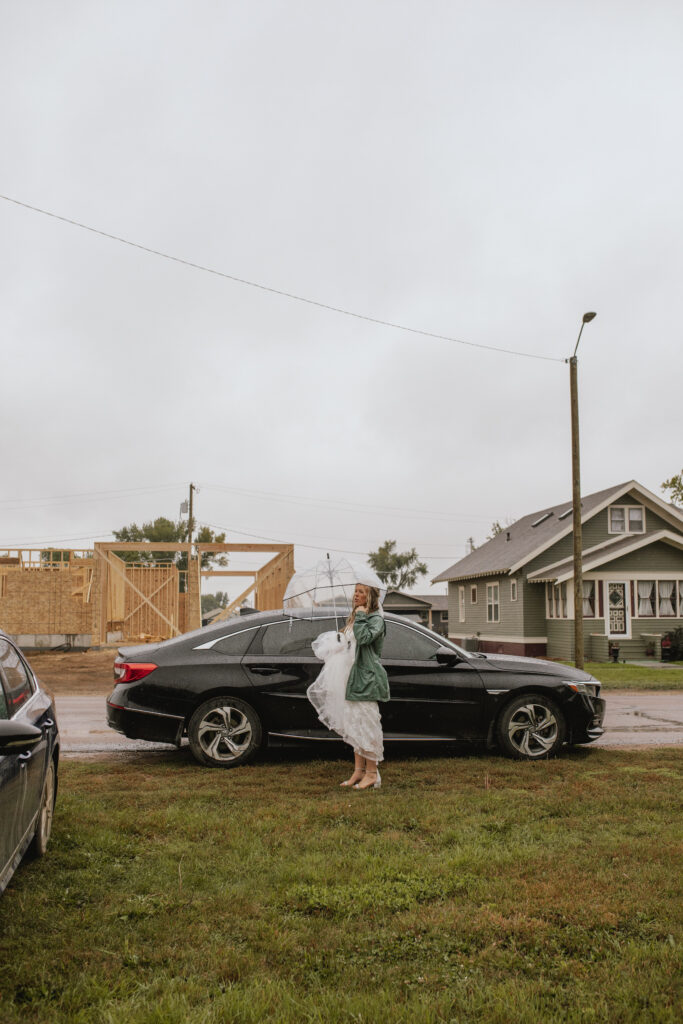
x=576 y=498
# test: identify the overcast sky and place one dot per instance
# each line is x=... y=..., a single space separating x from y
x=483 y=170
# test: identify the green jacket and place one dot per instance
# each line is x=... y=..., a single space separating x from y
x=367 y=679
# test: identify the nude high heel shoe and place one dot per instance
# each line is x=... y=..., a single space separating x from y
x=358 y=773
x=371 y=780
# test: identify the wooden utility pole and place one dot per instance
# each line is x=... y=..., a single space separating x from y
x=190 y=521
x=576 y=498
x=576 y=507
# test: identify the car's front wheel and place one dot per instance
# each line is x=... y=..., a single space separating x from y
x=224 y=732
x=531 y=727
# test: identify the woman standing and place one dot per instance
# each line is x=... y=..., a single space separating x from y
x=346 y=693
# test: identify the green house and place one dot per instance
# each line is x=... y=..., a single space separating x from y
x=515 y=594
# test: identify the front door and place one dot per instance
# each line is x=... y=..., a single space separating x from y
x=618 y=610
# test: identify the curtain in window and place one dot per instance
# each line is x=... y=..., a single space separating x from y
x=563 y=595
x=646 y=598
x=589 y=599
x=667 y=594
x=617 y=520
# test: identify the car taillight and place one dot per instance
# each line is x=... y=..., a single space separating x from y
x=129 y=672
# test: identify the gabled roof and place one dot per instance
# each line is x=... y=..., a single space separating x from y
x=603 y=553
x=530 y=536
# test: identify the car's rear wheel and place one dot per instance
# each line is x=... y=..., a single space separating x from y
x=224 y=732
x=41 y=835
x=531 y=727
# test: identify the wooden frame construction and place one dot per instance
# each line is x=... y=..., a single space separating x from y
x=101 y=598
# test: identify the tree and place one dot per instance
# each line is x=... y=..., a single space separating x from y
x=218 y=600
x=161 y=530
x=675 y=488
x=396 y=570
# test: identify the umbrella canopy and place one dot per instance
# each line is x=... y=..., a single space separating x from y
x=328 y=586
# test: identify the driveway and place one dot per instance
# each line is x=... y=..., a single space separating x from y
x=633 y=720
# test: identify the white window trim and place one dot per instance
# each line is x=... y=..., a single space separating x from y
x=656 y=578
x=493 y=605
x=474 y=593
x=514 y=590
x=626 y=531
x=461 y=604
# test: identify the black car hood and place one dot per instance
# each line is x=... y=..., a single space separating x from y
x=529 y=666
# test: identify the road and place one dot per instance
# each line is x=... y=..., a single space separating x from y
x=632 y=720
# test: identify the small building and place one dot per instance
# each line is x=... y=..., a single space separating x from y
x=515 y=594
x=430 y=610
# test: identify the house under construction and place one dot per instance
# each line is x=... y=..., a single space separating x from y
x=69 y=598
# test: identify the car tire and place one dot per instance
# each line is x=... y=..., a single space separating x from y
x=531 y=727
x=224 y=732
x=41 y=836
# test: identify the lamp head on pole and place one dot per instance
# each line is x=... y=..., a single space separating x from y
x=586 y=319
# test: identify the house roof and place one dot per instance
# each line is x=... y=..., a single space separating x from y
x=530 y=536
x=418 y=602
x=603 y=553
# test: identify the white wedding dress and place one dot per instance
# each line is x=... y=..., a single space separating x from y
x=358 y=722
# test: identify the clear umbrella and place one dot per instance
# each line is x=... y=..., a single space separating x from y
x=328 y=587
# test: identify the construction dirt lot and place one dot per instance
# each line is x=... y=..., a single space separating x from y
x=76 y=673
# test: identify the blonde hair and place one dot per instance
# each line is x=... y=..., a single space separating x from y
x=372 y=605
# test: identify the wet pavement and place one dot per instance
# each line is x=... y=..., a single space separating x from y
x=632 y=720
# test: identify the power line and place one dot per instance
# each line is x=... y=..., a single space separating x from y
x=278 y=291
x=347 y=506
x=314 y=547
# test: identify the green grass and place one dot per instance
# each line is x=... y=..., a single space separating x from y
x=636 y=677
x=468 y=889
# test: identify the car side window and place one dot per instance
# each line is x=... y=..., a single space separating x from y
x=405 y=644
x=290 y=637
x=236 y=644
x=18 y=683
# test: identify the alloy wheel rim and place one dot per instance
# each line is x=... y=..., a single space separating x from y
x=224 y=733
x=533 y=730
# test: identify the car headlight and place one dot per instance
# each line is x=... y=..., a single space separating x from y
x=591 y=689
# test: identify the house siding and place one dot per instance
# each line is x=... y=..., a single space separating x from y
x=535 y=623
x=658 y=557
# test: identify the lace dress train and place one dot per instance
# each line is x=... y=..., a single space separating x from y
x=357 y=722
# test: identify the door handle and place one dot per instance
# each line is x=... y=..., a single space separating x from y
x=259 y=671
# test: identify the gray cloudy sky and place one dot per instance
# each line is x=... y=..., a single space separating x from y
x=487 y=171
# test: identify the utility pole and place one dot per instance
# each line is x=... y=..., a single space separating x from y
x=576 y=498
x=190 y=521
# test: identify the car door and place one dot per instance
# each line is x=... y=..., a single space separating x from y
x=428 y=699
x=25 y=702
x=281 y=666
x=12 y=795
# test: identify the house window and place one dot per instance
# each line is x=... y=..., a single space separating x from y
x=589 y=599
x=492 y=602
x=461 y=604
x=627 y=519
x=557 y=600
x=646 y=599
x=473 y=594
x=667 y=598
x=513 y=590
x=660 y=599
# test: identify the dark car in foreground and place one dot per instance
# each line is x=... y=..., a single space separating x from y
x=234 y=686
x=29 y=757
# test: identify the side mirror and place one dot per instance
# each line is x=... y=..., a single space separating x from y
x=18 y=736
x=445 y=656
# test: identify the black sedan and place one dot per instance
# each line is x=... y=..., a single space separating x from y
x=29 y=756
x=232 y=687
